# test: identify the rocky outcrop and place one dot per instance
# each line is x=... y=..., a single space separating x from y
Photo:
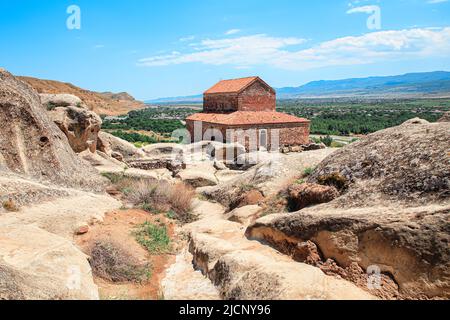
x=268 y=178
x=80 y=125
x=32 y=145
x=392 y=214
x=45 y=181
x=242 y=269
x=245 y=215
x=197 y=179
x=26 y=267
x=51 y=101
x=408 y=163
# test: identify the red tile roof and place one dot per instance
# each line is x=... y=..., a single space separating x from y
x=247 y=118
x=231 y=86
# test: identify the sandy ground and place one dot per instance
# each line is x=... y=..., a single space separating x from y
x=118 y=226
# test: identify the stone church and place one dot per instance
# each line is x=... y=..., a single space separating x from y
x=246 y=109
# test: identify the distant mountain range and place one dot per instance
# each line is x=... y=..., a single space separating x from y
x=426 y=84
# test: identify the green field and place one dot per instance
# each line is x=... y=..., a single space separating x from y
x=348 y=118
x=338 y=118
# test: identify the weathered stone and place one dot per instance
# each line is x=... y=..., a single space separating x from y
x=303 y=195
x=80 y=126
x=245 y=215
x=51 y=101
x=114 y=144
x=31 y=144
x=393 y=214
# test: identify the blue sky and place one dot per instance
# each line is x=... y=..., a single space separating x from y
x=159 y=48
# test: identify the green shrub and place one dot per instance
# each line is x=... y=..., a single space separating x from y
x=153 y=238
x=308 y=171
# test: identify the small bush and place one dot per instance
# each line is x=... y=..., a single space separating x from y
x=159 y=197
x=336 y=144
x=51 y=106
x=327 y=140
x=154 y=238
x=10 y=205
x=308 y=171
x=110 y=261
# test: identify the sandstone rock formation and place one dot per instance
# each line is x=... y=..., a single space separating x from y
x=268 y=177
x=80 y=125
x=307 y=194
x=243 y=269
x=245 y=215
x=392 y=215
x=32 y=145
x=54 y=191
x=47 y=268
x=108 y=143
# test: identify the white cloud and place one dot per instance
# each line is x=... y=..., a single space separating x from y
x=363 y=9
x=276 y=52
x=232 y=31
x=99 y=46
x=436 y=1
x=188 y=38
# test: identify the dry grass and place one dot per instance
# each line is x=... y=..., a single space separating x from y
x=111 y=262
x=161 y=197
x=157 y=196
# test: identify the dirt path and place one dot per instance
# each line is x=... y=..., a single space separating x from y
x=118 y=227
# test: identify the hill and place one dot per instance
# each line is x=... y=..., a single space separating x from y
x=107 y=103
x=411 y=85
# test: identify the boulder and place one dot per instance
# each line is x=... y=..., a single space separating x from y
x=313 y=146
x=245 y=215
x=32 y=145
x=163 y=149
x=37 y=265
x=197 y=179
x=114 y=144
x=247 y=160
x=415 y=121
x=303 y=195
x=80 y=126
x=51 y=101
x=269 y=177
x=247 y=198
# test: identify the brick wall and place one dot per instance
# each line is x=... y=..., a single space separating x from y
x=257 y=97
x=220 y=103
x=288 y=134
